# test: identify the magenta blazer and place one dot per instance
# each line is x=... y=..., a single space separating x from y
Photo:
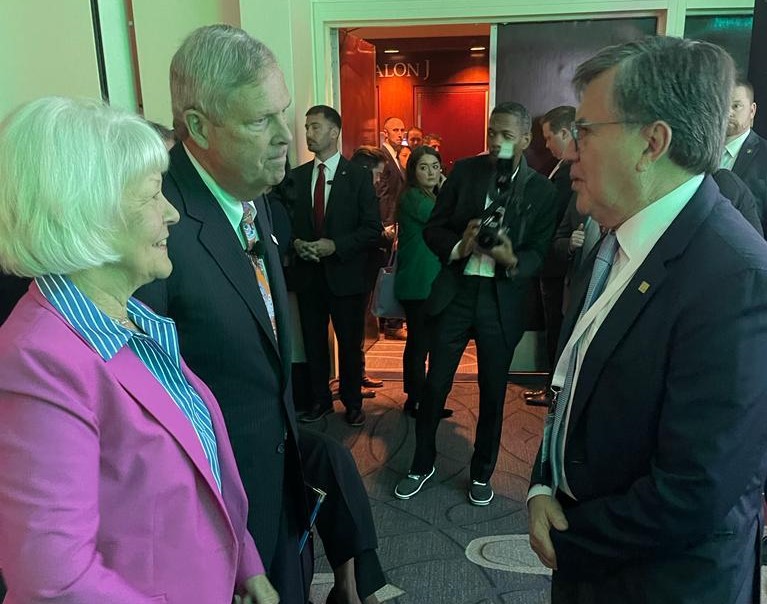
x=105 y=493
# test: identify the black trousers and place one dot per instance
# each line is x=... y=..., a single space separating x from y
x=552 y=292
x=316 y=306
x=345 y=522
x=473 y=313
x=287 y=572
x=416 y=350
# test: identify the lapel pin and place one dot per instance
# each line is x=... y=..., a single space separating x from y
x=749 y=151
x=643 y=287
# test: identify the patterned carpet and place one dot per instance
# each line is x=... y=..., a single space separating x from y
x=437 y=548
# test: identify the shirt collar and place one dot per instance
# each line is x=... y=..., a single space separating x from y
x=641 y=232
x=734 y=146
x=391 y=151
x=231 y=206
x=102 y=334
x=331 y=165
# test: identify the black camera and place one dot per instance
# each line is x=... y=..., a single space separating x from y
x=489 y=234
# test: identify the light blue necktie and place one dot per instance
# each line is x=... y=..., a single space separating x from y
x=602 y=265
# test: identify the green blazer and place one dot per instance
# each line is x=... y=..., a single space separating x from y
x=417 y=266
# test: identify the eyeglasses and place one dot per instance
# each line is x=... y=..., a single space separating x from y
x=578 y=129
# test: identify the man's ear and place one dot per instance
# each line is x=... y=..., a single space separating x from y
x=524 y=142
x=657 y=137
x=198 y=126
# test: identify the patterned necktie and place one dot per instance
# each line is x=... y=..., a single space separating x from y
x=248 y=227
x=602 y=265
x=319 y=201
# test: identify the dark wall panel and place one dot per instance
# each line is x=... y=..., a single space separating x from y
x=536 y=62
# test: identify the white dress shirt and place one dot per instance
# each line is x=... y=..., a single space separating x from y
x=731 y=150
x=331 y=167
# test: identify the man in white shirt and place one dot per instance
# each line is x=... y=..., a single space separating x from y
x=745 y=152
x=647 y=485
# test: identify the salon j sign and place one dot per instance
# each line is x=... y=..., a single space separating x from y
x=405 y=70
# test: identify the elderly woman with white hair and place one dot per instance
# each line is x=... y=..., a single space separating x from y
x=117 y=479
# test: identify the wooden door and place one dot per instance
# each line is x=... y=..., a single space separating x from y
x=458 y=113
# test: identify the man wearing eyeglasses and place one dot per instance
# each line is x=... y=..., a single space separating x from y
x=647 y=485
x=745 y=152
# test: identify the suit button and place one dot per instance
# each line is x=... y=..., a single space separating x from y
x=281 y=448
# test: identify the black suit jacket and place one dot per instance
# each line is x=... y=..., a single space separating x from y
x=733 y=188
x=227 y=339
x=553 y=266
x=666 y=441
x=530 y=228
x=751 y=166
x=351 y=221
x=390 y=188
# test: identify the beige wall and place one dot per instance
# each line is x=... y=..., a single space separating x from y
x=46 y=48
x=160 y=27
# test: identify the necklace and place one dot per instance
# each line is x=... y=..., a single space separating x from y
x=124 y=321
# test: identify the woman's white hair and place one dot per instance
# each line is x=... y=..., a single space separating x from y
x=65 y=165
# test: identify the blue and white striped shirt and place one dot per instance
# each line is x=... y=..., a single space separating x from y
x=157 y=348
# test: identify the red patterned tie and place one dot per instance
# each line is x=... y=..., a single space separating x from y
x=319 y=201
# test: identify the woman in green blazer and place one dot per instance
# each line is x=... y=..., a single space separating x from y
x=417 y=266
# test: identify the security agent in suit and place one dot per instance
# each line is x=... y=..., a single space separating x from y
x=652 y=492
x=555 y=126
x=335 y=221
x=480 y=293
x=745 y=152
x=233 y=146
x=393 y=178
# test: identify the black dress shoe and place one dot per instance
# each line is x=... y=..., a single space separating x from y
x=369 y=382
x=538 y=392
x=355 y=417
x=413 y=411
x=543 y=400
x=316 y=413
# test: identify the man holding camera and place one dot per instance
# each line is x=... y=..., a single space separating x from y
x=491 y=228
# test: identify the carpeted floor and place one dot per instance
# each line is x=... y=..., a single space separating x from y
x=437 y=548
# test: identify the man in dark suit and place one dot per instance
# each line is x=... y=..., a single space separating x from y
x=335 y=221
x=390 y=187
x=555 y=126
x=745 y=152
x=481 y=290
x=231 y=307
x=647 y=486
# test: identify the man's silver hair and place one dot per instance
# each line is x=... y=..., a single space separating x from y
x=213 y=62
x=682 y=82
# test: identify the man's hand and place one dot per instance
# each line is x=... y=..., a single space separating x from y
x=469 y=240
x=323 y=247
x=503 y=253
x=258 y=591
x=577 y=238
x=543 y=513
x=305 y=250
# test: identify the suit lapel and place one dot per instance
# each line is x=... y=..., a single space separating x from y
x=746 y=155
x=642 y=287
x=304 y=202
x=337 y=190
x=136 y=379
x=219 y=239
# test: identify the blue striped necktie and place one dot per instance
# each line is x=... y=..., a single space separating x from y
x=602 y=265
